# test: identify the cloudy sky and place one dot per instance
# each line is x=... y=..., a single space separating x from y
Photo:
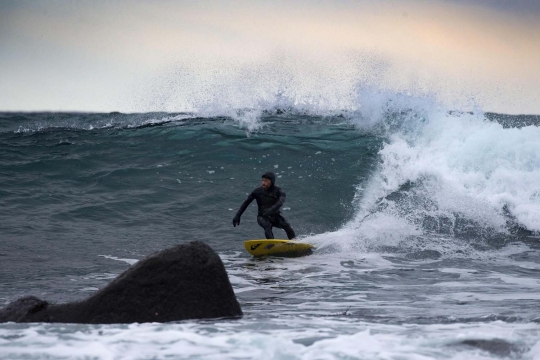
x=136 y=56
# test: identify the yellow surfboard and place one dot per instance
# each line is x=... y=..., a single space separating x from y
x=277 y=247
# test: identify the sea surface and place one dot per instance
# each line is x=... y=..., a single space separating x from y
x=426 y=222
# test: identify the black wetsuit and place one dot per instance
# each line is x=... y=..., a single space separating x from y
x=269 y=203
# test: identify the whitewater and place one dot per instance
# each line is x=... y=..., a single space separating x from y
x=426 y=221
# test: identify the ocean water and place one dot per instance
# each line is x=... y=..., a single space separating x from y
x=426 y=222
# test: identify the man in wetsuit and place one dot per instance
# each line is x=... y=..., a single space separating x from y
x=269 y=199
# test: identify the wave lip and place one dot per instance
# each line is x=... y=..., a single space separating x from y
x=445 y=172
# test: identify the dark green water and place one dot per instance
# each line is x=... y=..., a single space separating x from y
x=425 y=227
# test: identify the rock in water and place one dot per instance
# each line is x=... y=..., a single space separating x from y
x=20 y=309
x=180 y=283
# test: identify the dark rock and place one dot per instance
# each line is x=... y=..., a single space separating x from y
x=495 y=346
x=18 y=310
x=180 y=283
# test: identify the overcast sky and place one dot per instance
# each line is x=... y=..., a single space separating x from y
x=136 y=56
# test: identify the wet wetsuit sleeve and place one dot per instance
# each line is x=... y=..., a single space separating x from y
x=245 y=204
x=280 y=201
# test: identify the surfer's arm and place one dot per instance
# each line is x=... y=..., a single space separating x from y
x=280 y=201
x=245 y=204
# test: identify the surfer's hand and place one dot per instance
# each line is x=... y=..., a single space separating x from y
x=267 y=212
x=236 y=221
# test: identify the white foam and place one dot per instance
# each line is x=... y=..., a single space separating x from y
x=291 y=338
x=129 y=261
x=534 y=353
x=460 y=165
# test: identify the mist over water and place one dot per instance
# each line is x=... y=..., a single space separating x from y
x=425 y=220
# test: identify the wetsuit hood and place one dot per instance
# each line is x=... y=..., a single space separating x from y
x=270 y=176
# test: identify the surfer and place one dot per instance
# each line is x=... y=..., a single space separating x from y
x=269 y=200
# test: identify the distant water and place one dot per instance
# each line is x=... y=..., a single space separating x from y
x=426 y=223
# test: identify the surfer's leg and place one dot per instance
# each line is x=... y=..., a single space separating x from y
x=266 y=225
x=284 y=224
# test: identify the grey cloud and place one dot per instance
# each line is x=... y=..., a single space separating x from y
x=516 y=6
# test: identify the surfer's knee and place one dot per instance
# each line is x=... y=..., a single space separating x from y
x=264 y=223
